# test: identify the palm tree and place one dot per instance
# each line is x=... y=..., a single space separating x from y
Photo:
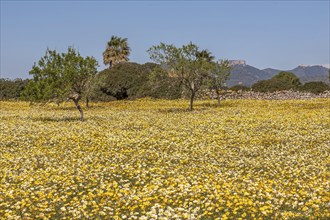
x=205 y=55
x=117 y=51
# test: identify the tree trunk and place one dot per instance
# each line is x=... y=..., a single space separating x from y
x=218 y=97
x=75 y=99
x=192 y=100
x=87 y=102
x=79 y=109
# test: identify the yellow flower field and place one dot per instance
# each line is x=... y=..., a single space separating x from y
x=152 y=159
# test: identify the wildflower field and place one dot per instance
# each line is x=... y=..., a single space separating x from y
x=154 y=159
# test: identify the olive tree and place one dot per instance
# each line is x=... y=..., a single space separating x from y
x=219 y=74
x=184 y=64
x=61 y=76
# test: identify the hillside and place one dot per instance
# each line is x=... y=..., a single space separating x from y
x=248 y=75
x=311 y=73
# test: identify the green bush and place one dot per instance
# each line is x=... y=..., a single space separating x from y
x=315 y=87
x=239 y=87
x=124 y=80
x=131 y=80
x=288 y=79
x=282 y=81
x=12 y=89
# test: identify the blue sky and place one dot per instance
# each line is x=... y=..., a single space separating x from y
x=276 y=34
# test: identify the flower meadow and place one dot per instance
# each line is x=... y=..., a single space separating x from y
x=154 y=159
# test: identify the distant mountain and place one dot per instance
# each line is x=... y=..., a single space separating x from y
x=248 y=75
x=272 y=71
x=311 y=73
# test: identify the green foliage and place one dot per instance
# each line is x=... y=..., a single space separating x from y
x=78 y=71
x=57 y=75
x=12 y=89
x=47 y=78
x=164 y=86
x=270 y=85
x=314 y=87
x=123 y=80
x=219 y=74
x=239 y=87
x=187 y=64
x=117 y=51
x=288 y=78
x=281 y=81
x=206 y=55
x=132 y=80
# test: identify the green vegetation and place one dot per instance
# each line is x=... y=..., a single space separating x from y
x=289 y=81
x=12 y=89
x=218 y=76
x=314 y=87
x=239 y=87
x=61 y=76
x=126 y=80
x=189 y=65
x=281 y=81
x=178 y=72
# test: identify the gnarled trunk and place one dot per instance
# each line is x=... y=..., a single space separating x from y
x=75 y=98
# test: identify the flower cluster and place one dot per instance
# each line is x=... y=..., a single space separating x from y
x=153 y=159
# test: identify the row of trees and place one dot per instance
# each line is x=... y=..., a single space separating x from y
x=60 y=76
x=191 y=67
x=175 y=71
x=132 y=80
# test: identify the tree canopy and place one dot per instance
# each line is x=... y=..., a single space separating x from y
x=187 y=64
x=58 y=76
x=282 y=81
x=287 y=77
x=219 y=74
x=117 y=51
x=12 y=89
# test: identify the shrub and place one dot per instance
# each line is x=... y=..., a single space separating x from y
x=12 y=89
x=315 y=87
x=131 y=80
x=282 y=81
x=239 y=87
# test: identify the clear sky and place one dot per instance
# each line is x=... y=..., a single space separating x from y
x=275 y=34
